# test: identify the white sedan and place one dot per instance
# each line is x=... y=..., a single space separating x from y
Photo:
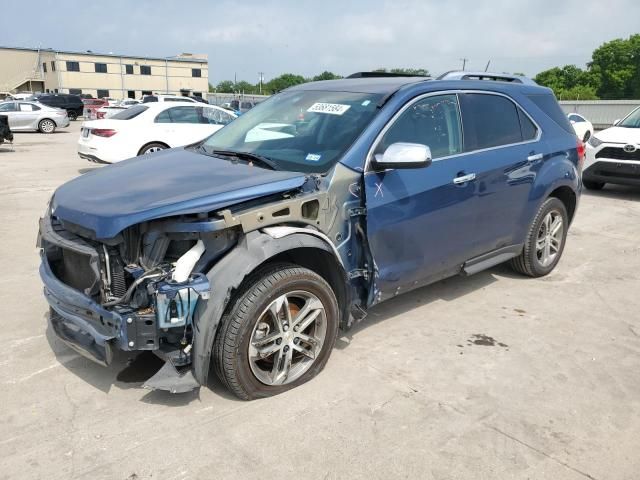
x=148 y=128
x=582 y=126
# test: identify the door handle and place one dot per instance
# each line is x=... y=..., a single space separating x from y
x=535 y=158
x=464 y=178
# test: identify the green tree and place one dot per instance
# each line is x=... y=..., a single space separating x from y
x=569 y=82
x=285 y=80
x=225 y=86
x=211 y=88
x=420 y=72
x=616 y=65
x=245 y=87
x=326 y=76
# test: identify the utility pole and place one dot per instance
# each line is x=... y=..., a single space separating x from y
x=261 y=78
x=464 y=62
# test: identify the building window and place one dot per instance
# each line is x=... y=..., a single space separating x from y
x=146 y=92
x=53 y=66
x=129 y=69
x=197 y=94
x=102 y=93
x=196 y=72
x=44 y=67
x=73 y=66
x=101 y=68
x=56 y=90
x=145 y=70
x=131 y=93
x=75 y=91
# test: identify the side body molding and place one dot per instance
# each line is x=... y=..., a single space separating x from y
x=226 y=276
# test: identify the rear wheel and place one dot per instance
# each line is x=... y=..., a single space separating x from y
x=47 y=126
x=593 y=185
x=152 y=148
x=72 y=115
x=545 y=240
x=277 y=334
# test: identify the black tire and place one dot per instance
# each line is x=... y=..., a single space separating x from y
x=72 y=115
x=593 y=185
x=46 y=125
x=231 y=344
x=528 y=262
x=152 y=147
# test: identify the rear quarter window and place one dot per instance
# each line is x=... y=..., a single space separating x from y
x=549 y=105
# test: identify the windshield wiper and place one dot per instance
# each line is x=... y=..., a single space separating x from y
x=252 y=157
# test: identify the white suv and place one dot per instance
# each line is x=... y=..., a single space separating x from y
x=613 y=155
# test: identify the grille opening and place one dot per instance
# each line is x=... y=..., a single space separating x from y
x=311 y=209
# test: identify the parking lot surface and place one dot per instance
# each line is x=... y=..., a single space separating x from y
x=492 y=376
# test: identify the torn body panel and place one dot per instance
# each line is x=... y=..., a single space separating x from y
x=131 y=291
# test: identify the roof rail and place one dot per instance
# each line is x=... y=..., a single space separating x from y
x=496 y=77
x=383 y=74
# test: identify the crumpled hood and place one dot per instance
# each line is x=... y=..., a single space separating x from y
x=620 y=135
x=172 y=182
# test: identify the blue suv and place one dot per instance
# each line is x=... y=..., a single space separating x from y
x=248 y=251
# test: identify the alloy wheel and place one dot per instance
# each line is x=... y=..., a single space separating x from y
x=549 y=238
x=47 y=126
x=287 y=338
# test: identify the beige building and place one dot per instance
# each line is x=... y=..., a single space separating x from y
x=101 y=75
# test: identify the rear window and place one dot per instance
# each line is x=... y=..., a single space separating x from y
x=130 y=113
x=149 y=99
x=549 y=105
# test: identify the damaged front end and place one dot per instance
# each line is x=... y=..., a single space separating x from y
x=142 y=289
x=135 y=292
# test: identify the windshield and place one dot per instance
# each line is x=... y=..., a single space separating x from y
x=129 y=113
x=302 y=131
x=632 y=121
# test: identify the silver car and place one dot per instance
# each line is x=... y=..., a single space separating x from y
x=33 y=116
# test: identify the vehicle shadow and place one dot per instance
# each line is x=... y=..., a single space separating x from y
x=624 y=192
x=127 y=371
x=131 y=370
x=448 y=290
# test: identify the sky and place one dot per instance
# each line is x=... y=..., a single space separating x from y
x=307 y=37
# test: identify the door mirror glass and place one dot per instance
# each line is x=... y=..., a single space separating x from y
x=404 y=155
x=616 y=122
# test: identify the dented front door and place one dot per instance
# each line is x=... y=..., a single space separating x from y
x=421 y=222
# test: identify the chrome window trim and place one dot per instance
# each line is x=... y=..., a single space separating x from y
x=457 y=93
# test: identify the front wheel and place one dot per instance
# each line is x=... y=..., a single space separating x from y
x=72 y=115
x=545 y=240
x=47 y=126
x=277 y=334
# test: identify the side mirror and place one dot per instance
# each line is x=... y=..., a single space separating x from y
x=404 y=155
x=616 y=122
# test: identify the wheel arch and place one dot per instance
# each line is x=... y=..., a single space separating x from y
x=568 y=197
x=150 y=143
x=254 y=251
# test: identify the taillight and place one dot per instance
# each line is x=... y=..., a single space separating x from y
x=99 y=115
x=103 y=132
x=582 y=151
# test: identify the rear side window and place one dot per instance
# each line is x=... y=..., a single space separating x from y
x=130 y=113
x=548 y=104
x=489 y=121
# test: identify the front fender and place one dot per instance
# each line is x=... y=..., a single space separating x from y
x=253 y=250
